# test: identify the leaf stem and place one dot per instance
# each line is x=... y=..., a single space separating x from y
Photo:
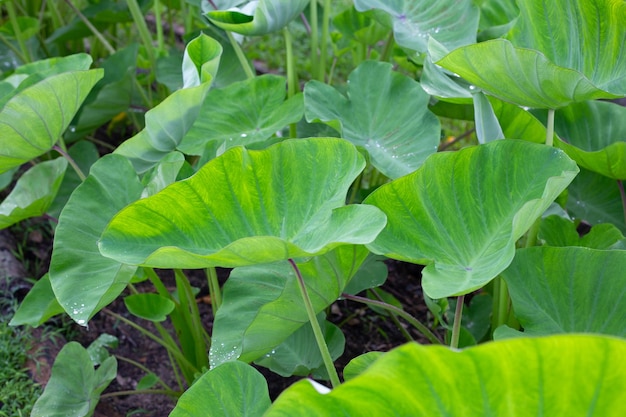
x=91 y=27
x=143 y=391
x=71 y=161
x=142 y=27
x=292 y=78
x=214 y=290
x=315 y=63
x=243 y=61
x=191 y=315
x=456 y=327
x=317 y=331
x=18 y=32
x=324 y=38
x=550 y=128
x=145 y=369
x=622 y=193
x=398 y=311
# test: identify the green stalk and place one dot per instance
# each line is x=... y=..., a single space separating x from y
x=192 y=317
x=91 y=27
x=394 y=318
x=142 y=27
x=387 y=49
x=214 y=290
x=292 y=78
x=146 y=370
x=317 y=330
x=243 y=61
x=550 y=128
x=159 y=24
x=456 y=327
x=622 y=193
x=315 y=71
x=324 y=39
x=71 y=161
x=18 y=32
x=397 y=311
x=173 y=394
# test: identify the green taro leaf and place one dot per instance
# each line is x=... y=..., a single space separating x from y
x=522 y=76
x=243 y=113
x=33 y=192
x=518 y=123
x=496 y=18
x=573 y=375
x=559 y=231
x=452 y=23
x=462 y=212
x=584 y=35
x=263 y=305
x=201 y=60
x=359 y=364
x=258 y=17
x=32 y=121
x=233 y=389
x=98 y=349
x=594 y=135
x=83 y=280
x=151 y=307
x=384 y=112
x=487 y=126
x=249 y=207
x=567 y=290
x=38 y=306
x=74 y=387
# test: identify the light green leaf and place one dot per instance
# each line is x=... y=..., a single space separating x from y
x=487 y=126
x=258 y=17
x=164 y=174
x=83 y=280
x=438 y=84
x=496 y=18
x=384 y=112
x=359 y=364
x=98 y=349
x=32 y=121
x=262 y=304
x=584 y=35
x=573 y=375
x=33 y=193
x=249 y=207
x=567 y=290
x=74 y=387
x=518 y=123
x=559 y=231
x=38 y=306
x=359 y=27
x=243 y=113
x=201 y=60
x=149 y=306
x=246 y=394
x=462 y=212
x=594 y=135
x=27 y=26
x=522 y=76
x=452 y=23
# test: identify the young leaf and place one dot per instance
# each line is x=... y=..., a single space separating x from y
x=148 y=306
x=262 y=303
x=487 y=126
x=233 y=389
x=573 y=375
x=570 y=290
x=242 y=113
x=38 y=306
x=258 y=17
x=452 y=23
x=248 y=207
x=74 y=387
x=33 y=121
x=33 y=193
x=201 y=60
x=83 y=280
x=462 y=212
x=384 y=112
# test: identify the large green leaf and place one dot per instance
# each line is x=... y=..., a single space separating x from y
x=243 y=113
x=83 y=280
x=519 y=75
x=263 y=305
x=249 y=207
x=32 y=121
x=258 y=17
x=452 y=23
x=74 y=387
x=33 y=193
x=567 y=290
x=594 y=135
x=38 y=306
x=233 y=389
x=384 y=112
x=462 y=212
x=573 y=375
x=585 y=35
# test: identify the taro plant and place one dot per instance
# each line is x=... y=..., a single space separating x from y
x=299 y=194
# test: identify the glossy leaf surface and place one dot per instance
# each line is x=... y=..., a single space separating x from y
x=83 y=280
x=384 y=112
x=452 y=23
x=263 y=305
x=233 y=389
x=249 y=207
x=567 y=290
x=462 y=212
x=574 y=375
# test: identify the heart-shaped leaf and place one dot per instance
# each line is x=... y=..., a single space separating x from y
x=246 y=394
x=33 y=193
x=258 y=17
x=83 y=280
x=452 y=23
x=148 y=306
x=74 y=387
x=262 y=304
x=384 y=112
x=249 y=207
x=243 y=113
x=573 y=375
x=462 y=212
x=567 y=290
x=32 y=121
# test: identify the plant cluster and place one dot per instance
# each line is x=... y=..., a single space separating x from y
x=302 y=185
